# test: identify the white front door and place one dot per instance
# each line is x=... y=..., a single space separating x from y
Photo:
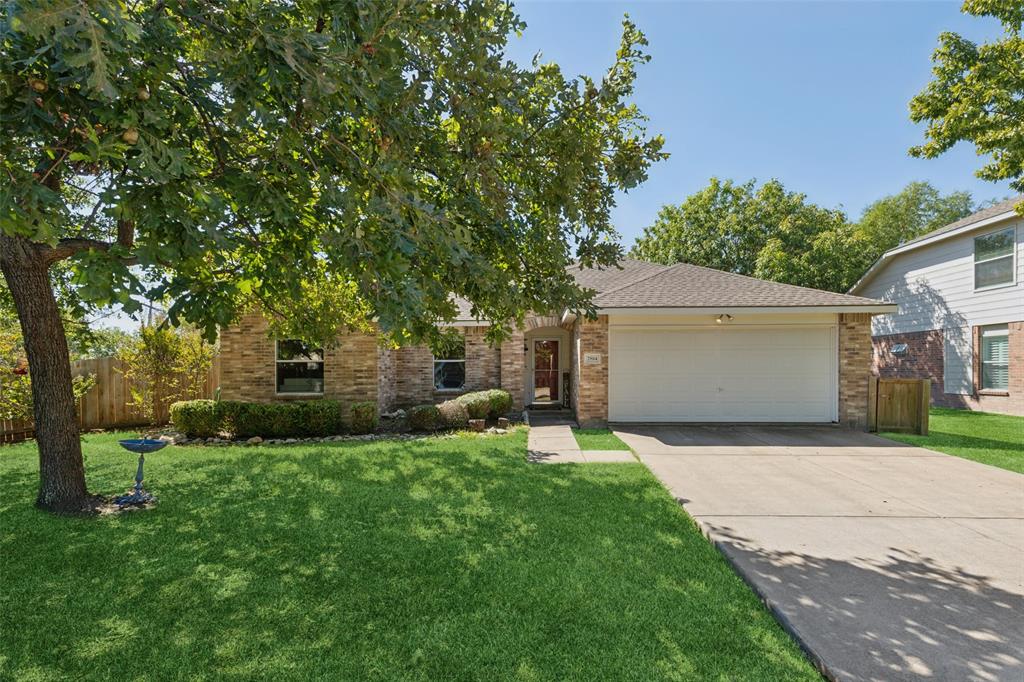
x=723 y=374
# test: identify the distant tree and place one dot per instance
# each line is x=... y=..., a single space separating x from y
x=727 y=225
x=976 y=95
x=98 y=342
x=215 y=154
x=774 y=234
x=839 y=257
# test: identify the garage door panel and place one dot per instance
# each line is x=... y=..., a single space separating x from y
x=722 y=374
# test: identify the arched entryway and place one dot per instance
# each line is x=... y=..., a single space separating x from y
x=548 y=362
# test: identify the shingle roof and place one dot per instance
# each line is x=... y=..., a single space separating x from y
x=691 y=286
x=995 y=209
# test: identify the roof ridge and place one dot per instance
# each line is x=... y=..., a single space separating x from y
x=767 y=281
x=664 y=269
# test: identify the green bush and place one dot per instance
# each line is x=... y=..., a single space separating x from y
x=453 y=414
x=482 y=404
x=424 y=418
x=364 y=417
x=197 y=418
x=318 y=417
x=282 y=420
x=501 y=402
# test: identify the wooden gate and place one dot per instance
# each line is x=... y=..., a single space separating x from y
x=899 y=405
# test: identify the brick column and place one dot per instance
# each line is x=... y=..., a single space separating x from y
x=512 y=359
x=854 y=369
x=592 y=392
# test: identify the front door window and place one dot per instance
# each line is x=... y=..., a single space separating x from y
x=546 y=376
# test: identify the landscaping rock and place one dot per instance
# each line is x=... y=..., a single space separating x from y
x=255 y=440
x=502 y=422
x=477 y=425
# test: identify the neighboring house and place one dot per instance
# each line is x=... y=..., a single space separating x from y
x=676 y=343
x=960 y=291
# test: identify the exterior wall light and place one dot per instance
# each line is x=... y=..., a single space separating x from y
x=724 y=317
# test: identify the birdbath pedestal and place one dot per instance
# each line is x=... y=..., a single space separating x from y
x=138 y=496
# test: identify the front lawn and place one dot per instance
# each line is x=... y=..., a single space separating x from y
x=995 y=439
x=598 y=439
x=444 y=558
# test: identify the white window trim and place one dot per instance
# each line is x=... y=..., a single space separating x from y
x=1012 y=256
x=996 y=331
x=296 y=394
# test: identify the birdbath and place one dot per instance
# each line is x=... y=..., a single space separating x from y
x=138 y=496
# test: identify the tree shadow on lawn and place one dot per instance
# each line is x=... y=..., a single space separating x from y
x=905 y=617
x=445 y=558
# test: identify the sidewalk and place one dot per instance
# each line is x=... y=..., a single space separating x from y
x=557 y=445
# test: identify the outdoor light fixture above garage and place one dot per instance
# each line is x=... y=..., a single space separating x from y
x=724 y=317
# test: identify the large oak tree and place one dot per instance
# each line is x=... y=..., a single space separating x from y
x=368 y=159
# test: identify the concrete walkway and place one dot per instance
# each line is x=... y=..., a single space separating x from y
x=887 y=562
x=555 y=444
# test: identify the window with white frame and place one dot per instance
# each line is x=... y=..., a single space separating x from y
x=993 y=259
x=995 y=358
x=450 y=366
x=300 y=367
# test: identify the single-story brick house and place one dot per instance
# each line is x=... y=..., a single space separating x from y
x=671 y=343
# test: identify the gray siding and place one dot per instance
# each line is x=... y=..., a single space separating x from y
x=934 y=287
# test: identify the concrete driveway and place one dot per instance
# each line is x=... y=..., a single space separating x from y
x=887 y=562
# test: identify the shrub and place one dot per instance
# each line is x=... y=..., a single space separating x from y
x=197 y=418
x=501 y=402
x=476 y=404
x=318 y=417
x=364 y=417
x=482 y=404
x=453 y=414
x=424 y=418
x=282 y=420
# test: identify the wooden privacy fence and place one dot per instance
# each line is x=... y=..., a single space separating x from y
x=108 y=404
x=899 y=405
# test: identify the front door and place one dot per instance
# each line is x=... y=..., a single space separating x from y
x=546 y=377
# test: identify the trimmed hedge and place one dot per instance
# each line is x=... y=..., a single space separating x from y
x=483 y=404
x=453 y=414
x=197 y=418
x=364 y=417
x=206 y=418
x=424 y=418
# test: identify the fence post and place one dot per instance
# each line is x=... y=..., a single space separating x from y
x=925 y=402
x=872 y=404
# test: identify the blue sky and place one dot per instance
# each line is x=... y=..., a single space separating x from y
x=812 y=93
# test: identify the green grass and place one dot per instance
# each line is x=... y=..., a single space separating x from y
x=444 y=558
x=995 y=439
x=598 y=439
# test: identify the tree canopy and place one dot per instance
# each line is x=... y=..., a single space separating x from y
x=775 y=234
x=977 y=95
x=384 y=153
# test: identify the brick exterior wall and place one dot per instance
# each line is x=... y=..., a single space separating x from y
x=248 y=365
x=855 y=353
x=925 y=360
x=511 y=372
x=414 y=371
x=590 y=383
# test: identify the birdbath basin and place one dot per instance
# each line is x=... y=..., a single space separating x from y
x=138 y=496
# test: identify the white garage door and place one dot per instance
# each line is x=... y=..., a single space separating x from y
x=722 y=374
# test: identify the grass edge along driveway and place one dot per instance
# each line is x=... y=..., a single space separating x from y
x=986 y=437
x=441 y=558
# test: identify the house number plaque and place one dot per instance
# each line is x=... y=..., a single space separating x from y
x=591 y=358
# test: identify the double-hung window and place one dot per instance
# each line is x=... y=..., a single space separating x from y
x=995 y=358
x=450 y=366
x=300 y=368
x=993 y=259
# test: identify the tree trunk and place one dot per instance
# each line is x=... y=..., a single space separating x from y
x=61 y=472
